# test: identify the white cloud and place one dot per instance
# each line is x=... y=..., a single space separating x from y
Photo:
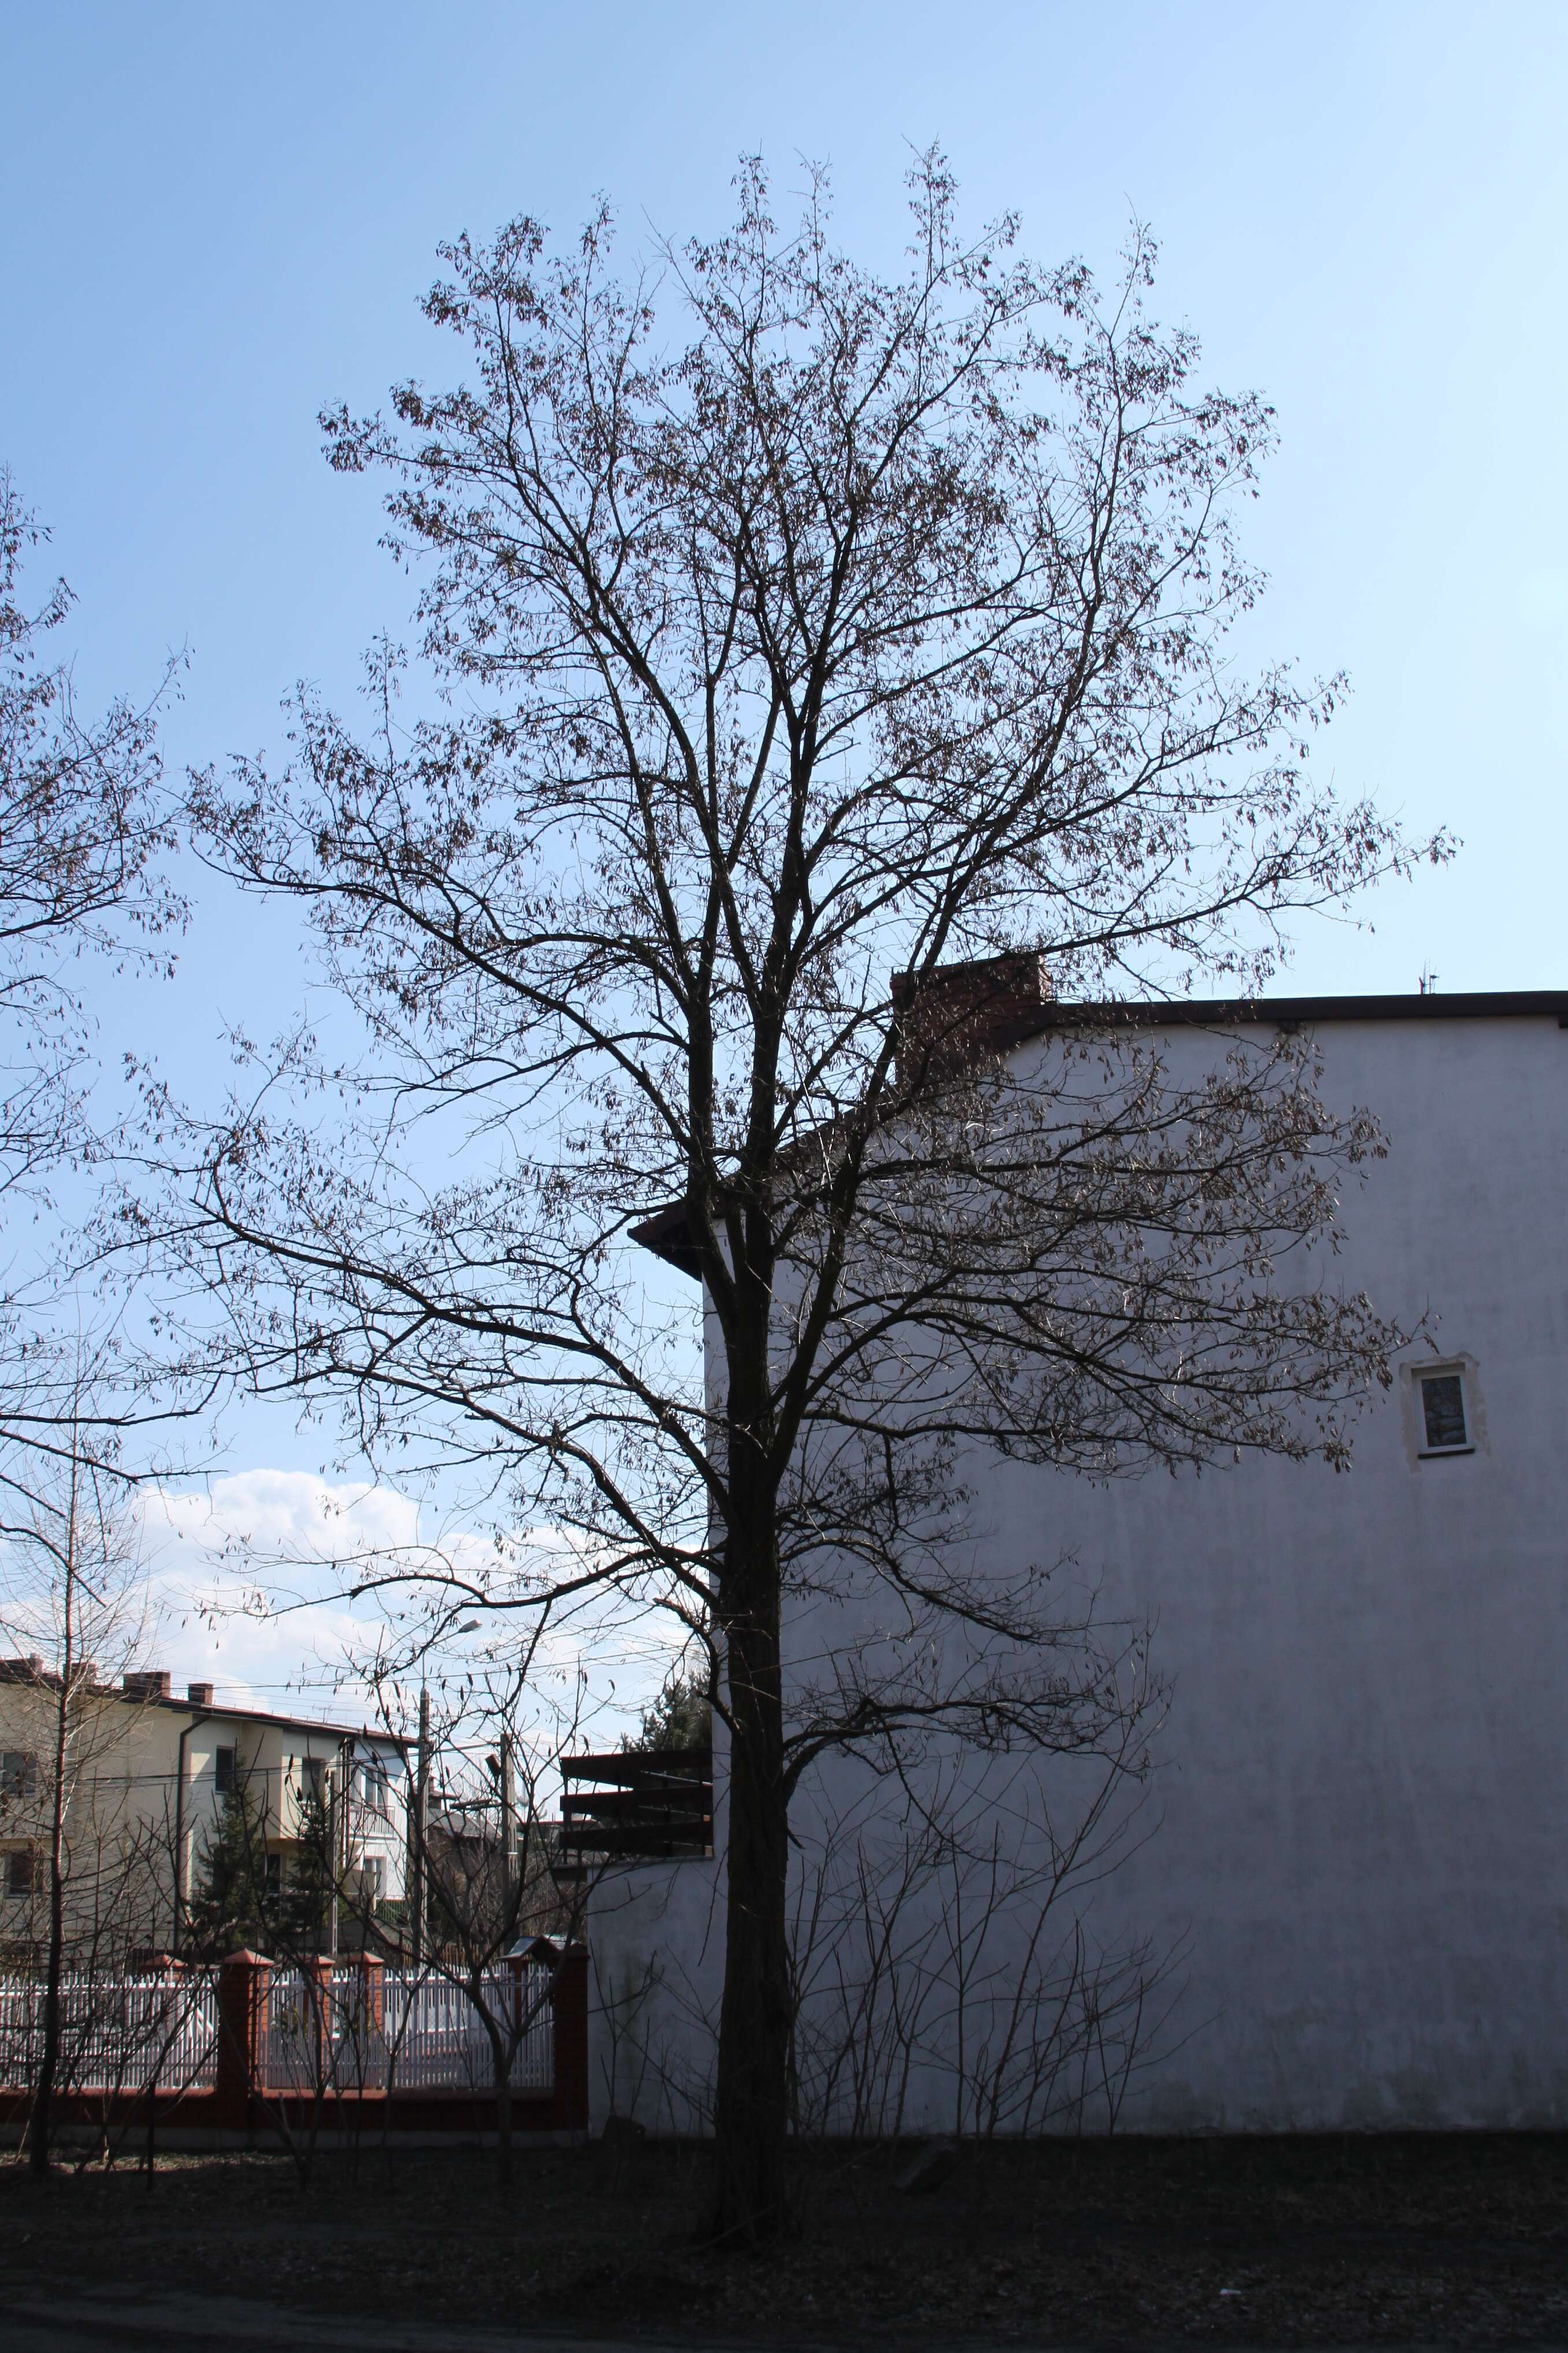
x=270 y=1515
x=210 y=1552
x=245 y=1597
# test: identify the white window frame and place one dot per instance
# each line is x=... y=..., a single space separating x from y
x=1458 y=1369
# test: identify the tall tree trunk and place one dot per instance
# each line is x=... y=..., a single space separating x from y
x=40 y=2128
x=502 y=2045
x=503 y=2128
x=751 y=2120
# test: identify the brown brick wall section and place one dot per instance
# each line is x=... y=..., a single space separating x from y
x=242 y=2024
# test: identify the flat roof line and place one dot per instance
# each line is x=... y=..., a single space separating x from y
x=1475 y=1005
x=664 y=1234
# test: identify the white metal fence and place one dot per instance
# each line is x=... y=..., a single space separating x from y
x=337 y=2032
x=120 y=2034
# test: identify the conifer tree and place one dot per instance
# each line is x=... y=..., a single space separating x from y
x=231 y=1910
x=680 y=1717
x=302 y=1910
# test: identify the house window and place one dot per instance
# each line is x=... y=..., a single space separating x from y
x=223 y=1772
x=19 y=1871
x=313 y=1775
x=1444 y=1428
x=18 y=1775
x=274 y=1874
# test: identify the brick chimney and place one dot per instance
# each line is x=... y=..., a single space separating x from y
x=147 y=1682
x=962 y=1012
x=199 y=1694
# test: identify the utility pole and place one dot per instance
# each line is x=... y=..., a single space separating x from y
x=330 y=1778
x=338 y=1781
x=419 y=1825
x=508 y=1822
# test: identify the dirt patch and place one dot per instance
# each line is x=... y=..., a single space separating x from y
x=1433 y=2239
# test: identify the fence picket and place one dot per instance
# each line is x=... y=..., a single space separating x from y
x=116 y=2034
x=428 y=2035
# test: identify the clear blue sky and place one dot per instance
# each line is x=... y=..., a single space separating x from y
x=215 y=219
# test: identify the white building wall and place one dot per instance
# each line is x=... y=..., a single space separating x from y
x=1361 y=1790
x=656 y=1968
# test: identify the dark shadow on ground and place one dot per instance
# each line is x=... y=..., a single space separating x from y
x=1334 y=2240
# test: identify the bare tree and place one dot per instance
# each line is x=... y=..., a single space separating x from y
x=72 y=1578
x=805 y=629
x=947 y=1971
x=488 y=1876
x=944 y=1961
x=84 y=824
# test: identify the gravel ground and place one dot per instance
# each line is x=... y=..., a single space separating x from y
x=1409 y=2239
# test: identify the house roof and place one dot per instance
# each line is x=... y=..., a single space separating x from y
x=28 y=1671
x=220 y=1709
x=665 y=1232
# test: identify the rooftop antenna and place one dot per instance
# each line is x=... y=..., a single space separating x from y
x=1427 y=984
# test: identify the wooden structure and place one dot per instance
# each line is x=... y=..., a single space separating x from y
x=636 y=1805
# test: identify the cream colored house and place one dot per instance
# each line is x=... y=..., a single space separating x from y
x=146 y=1774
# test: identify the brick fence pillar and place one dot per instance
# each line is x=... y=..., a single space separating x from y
x=375 y=1992
x=569 y=2006
x=242 y=1982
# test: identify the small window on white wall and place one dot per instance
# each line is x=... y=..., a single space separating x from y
x=1445 y=1427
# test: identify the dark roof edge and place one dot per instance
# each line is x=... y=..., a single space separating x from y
x=664 y=1235
x=1477 y=1005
